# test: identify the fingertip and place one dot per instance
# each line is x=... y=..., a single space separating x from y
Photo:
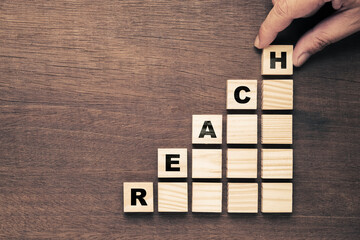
x=257 y=42
x=299 y=61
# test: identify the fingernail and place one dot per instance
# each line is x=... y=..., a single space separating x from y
x=302 y=58
x=257 y=42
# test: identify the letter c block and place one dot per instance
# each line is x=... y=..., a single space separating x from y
x=241 y=94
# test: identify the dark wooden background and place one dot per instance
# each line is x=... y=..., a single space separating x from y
x=90 y=89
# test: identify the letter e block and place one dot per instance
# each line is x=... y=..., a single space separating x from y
x=138 y=197
x=276 y=129
x=241 y=163
x=242 y=197
x=242 y=129
x=241 y=94
x=277 y=94
x=207 y=129
x=276 y=197
x=207 y=197
x=206 y=163
x=172 y=197
x=277 y=60
x=172 y=162
x=277 y=163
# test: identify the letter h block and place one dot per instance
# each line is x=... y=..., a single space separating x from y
x=277 y=60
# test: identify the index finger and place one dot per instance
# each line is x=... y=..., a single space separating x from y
x=281 y=15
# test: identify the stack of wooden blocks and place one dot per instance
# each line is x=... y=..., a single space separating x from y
x=242 y=153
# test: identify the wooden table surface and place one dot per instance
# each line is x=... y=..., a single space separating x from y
x=89 y=90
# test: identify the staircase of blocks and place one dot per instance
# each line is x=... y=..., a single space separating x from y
x=242 y=152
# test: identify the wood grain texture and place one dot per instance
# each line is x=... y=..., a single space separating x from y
x=89 y=90
x=242 y=198
x=277 y=95
x=241 y=163
x=241 y=129
x=206 y=163
x=276 y=197
x=206 y=197
x=276 y=129
x=277 y=163
x=172 y=196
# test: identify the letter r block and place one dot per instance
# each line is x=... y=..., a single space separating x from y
x=138 y=197
x=277 y=60
x=241 y=94
x=207 y=129
x=172 y=162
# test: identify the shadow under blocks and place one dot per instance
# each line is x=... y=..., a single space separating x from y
x=242 y=142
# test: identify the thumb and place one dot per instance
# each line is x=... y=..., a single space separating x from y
x=331 y=30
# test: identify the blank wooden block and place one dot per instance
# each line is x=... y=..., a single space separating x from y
x=276 y=197
x=277 y=94
x=276 y=129
x=206 y=197
x=241 y=94
x=138 y=197
x=242 y=197
x=277 y=163
x=241 y=163
x=206 y=163
x=207 y=129
x=242 y=129
x=277 y=60
x=172 y=197
x=172 y=162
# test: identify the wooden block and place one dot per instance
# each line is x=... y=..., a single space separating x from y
x=277 y=94
x=241 y=94
x=277 y=60
x=207 y=129
x=276 y=197
x=241 y=163
x=277 y=163
x=172 y=162
x=242 y=197
x=207 y=197
x=172 y=197
x=276 y=129
x=242 y=129
x=138 y=197
x=206 y=163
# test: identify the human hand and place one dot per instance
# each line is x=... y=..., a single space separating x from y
x=344 y=22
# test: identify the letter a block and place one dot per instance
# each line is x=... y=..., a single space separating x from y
x=242 y=197
x=207 y=197
x=276 y=197
x=277 y=60
x=138 y=197
x=241 y=94
x=172 y=197
x=172 y=162
x=207 y=129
